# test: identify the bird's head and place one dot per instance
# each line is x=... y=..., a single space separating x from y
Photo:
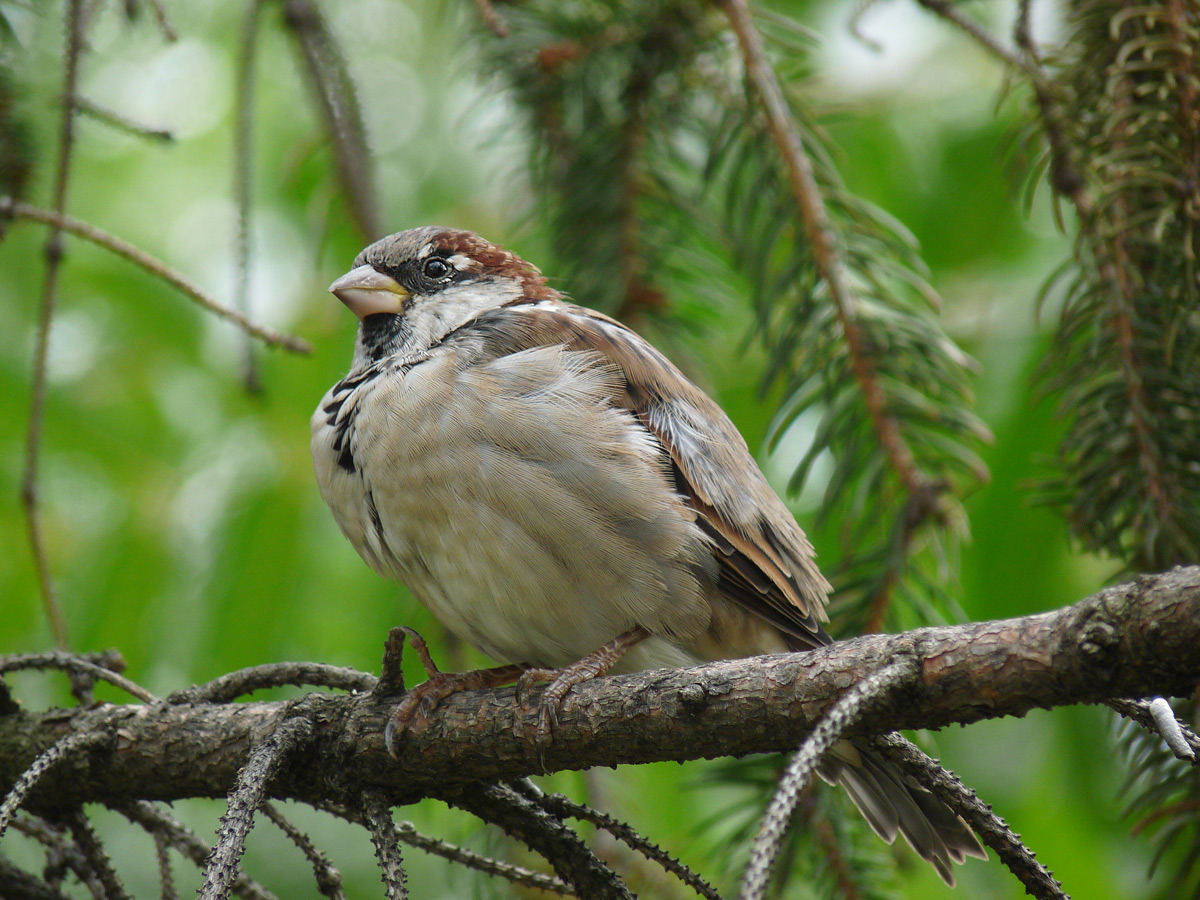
x=431 y=280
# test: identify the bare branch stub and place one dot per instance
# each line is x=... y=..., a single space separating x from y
x=800 y=771
x=564 y=807
x=269 y=675
x=97 y=667
x=523 y=819
x=377 y=817
x=90 y=846
x=178 y=836
x=244 y=801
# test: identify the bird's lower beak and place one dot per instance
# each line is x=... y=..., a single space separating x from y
x=366 y=291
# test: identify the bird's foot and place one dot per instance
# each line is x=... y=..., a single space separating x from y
x=418 y=703
x=597 y=663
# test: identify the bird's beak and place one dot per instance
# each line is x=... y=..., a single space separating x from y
x=366 y=292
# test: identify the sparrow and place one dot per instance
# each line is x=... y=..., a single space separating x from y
x=558 y=494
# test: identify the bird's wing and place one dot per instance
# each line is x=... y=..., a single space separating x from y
x=766 y=561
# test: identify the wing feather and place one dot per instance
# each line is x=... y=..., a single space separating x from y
x=766 y=562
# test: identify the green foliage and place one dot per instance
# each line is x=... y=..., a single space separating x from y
x=606 y=91
x=828 y=852
x=1163 y=804
x=652 y=157
x=1123 y=136
x=1124 y=362
x=881 y=522
x=182 y=519
x=16 y=139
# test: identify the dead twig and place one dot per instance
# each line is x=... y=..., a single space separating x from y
x=178 y=836
x=37 y=399
x=325 y=873
x=256 y=678
x=79 y=740
x=377 y=816
x=244 y=801
x=18 y=210
x=869 y=692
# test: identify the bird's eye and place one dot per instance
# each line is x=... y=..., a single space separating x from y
x=435 y=268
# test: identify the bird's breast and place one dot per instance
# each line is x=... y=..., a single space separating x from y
x=532 y=516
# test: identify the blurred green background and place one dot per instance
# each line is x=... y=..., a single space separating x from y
x=182 y=519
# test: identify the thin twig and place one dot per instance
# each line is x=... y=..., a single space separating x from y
x=121 y=122
x=325 y=873
x=946 y=10
x=37 y=401
x=269 y=675
x=162 y=851
x=861 y=8
x=826 y=256
x=160 y=16
x=158 y=823
x=995 y=833
x=17 y=884
x=378 y=818
x=486 y=864
x=338 y=104
x=492 y=19
x=521 y=818
x=89 y=845
x=1183 y=742
x=61 y=853
x=9 y=207
x=78 y=740
x=56 y=659
x=564 y=807
x=244 y=800
x=800 y=771
x=243 y=147
x=408 y=834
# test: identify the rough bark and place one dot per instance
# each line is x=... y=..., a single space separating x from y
x=1133 y=640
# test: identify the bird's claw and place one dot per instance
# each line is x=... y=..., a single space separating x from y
x=420 y=702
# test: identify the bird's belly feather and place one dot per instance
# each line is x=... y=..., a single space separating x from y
x=522 y=525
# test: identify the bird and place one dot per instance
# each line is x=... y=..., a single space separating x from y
x=559 y=495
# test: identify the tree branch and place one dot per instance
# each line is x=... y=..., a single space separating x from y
x=18 y=210
x=1132 y=640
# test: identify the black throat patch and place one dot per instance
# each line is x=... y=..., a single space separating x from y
x=383 y=334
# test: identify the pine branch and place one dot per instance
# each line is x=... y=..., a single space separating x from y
x=1138 y=639
x=1122 y=129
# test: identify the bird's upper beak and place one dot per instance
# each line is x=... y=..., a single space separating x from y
x=367 y=291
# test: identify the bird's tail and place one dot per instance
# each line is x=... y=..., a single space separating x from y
x=892 y=803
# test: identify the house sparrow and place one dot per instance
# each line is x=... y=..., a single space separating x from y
x=559 y=495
